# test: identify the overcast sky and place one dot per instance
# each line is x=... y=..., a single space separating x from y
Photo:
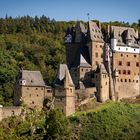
x=103 y=10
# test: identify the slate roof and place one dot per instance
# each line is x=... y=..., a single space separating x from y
x=63 y=76
x=95 y=33
x=81 y=26
x=82 y=54
x=33 y=78
x=83 y=62
x=123 y=34
x=101 y=69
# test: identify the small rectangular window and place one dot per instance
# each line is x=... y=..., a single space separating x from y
x=101 y=55
x=119 y=71
x=120 y=63
x=137 y=64
x=49 y=91
x=128 y=72
x=124 y=71
x=128 y=63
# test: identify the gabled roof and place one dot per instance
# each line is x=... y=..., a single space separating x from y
x=33 y=78
x=63 y=76
x=95 y=33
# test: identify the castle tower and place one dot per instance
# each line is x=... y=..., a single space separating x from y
x=95 y=43
x=30 y=89
x=102 y=83
x=64 y=91
x=74 y=39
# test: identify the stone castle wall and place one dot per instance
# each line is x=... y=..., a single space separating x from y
x=127 y=82
x=6 y=112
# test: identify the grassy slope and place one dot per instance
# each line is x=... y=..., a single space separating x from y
x=109 y=122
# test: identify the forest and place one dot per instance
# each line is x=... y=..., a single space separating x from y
x=33 y=43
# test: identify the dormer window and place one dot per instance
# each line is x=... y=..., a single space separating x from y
x=22 y=82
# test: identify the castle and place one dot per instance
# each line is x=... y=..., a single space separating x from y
x=99 y=65
x=102 y=65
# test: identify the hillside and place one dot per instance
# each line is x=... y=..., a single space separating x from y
x=109 y=121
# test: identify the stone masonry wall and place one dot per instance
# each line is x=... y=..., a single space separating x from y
x=127 y=83
x=6 y=112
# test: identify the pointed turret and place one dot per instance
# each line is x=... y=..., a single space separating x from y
x=64 y=91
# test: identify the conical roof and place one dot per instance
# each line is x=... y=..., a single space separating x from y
x=63 y=76
x=83 y=62
x=101 y=69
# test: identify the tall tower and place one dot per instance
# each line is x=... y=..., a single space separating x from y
x=95 y=43
x=74 y=39
x=101 y=80
x=64 y=91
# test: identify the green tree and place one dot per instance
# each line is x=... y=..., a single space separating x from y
x=57 y=126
